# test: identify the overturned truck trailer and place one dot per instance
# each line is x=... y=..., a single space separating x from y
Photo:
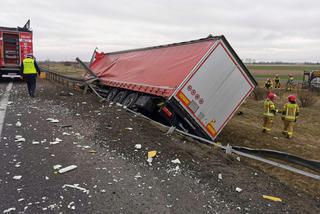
x=195 y=86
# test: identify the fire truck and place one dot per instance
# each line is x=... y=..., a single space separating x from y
x=15 y=45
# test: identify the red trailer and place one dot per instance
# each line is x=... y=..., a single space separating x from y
x=15 y=44
x=195 y=86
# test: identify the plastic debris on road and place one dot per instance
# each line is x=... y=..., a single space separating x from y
x=238 y=189
x=18 y=124
x=129 y=128
x=76 y=186
x=71 y=206
x=51 y=120
x=9 y=210
x=176 y=161
x=67 y=169
x=20 y=139
x=138 y=146
x=58 y=166
x=56 y=141
x=138 y=175
x=149 y=160
x=272 y=198
x=35 y=142
x=152 y=154
x=220 y=176
x=17 y=177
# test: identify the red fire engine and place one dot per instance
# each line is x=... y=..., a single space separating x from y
x=15 y=45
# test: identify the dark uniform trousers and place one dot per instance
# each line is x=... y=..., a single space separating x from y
x=31 y=80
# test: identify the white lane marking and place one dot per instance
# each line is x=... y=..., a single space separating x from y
x=3 y=105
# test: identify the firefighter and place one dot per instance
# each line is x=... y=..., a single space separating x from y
x=289 y=116
x=268 y=85
x=290 y=83
x=269 y=112
x=29 y=70
x=277 y=81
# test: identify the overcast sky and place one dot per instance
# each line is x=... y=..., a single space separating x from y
x=286 y=30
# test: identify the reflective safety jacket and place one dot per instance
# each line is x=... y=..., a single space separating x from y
x=29 y=66
x=269 y=108
x=268 y=84
x=290 y=111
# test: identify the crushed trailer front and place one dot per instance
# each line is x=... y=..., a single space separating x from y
x=196 y=86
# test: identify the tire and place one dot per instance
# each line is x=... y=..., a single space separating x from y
x=130 y=100
x=120 y=97
x=112 y=94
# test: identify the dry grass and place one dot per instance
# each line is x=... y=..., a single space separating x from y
x=67 y=68
x=307 y=99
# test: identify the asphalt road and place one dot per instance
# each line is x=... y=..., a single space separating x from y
x=112 y=176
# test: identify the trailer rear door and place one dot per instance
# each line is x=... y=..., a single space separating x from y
x=215 y=90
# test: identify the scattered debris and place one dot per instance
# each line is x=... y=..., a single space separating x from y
x=238 y=158
x=149 y=160
x=152 y=154
x=238 y=189
x=18 y=136
x=276 y=138
x=58 y=166
x=220 y=176
x=17 y=177
x=9 y=210
x=176 y=161
x=67 y=169
x=51 y=120
x=129 y=128
x=20 y=139
x=176 y=169
x=66 y=133
x=137 y=175
x=76 y=186
x=272 y=198
x=56 y=141
x=18 y=124
x=71 y=206
x=138 y=146
x=35 y=142
x=93 y=151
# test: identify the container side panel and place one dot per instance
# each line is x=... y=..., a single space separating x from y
x=215 y=90
x=163 y=68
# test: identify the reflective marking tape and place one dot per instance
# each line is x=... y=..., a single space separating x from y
x=183 y=98
x=211 y=129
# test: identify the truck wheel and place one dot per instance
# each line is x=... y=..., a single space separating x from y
x=112 y=94
x=120 y=97
x=130 y=99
